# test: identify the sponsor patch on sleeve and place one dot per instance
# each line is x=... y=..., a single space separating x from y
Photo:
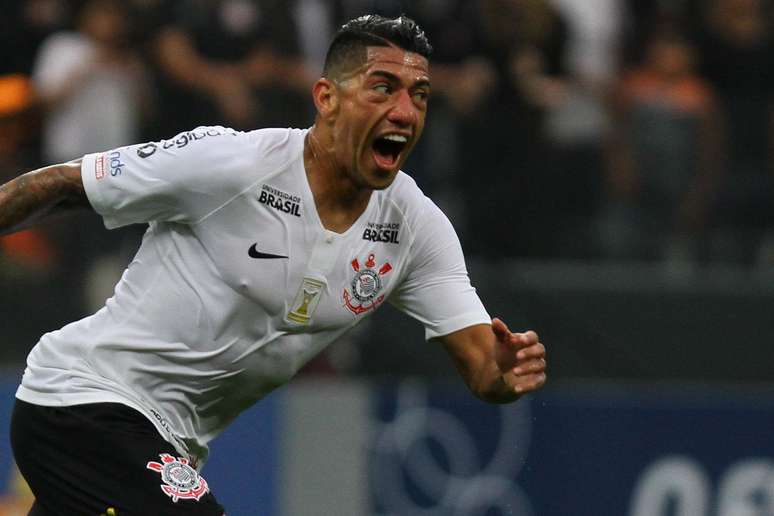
x=99 y=167
x=108 y=163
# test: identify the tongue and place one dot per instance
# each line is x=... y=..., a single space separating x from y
x=384 y=160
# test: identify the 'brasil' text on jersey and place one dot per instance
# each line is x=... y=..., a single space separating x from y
x=278 y=204
x=381 y=235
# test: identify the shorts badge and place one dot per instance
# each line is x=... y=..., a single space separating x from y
x=181 y=481
x=363 y=293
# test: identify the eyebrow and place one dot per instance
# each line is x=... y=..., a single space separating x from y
x=394 y=78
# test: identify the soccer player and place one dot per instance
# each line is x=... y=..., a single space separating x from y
x=263 y=247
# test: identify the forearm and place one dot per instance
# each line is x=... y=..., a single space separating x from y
x=479 y=370
x=31 y=196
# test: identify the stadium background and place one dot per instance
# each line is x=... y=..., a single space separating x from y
x=607 y=164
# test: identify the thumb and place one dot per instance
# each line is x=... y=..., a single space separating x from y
x=499 y=328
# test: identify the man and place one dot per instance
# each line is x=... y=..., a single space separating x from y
x=263 y=248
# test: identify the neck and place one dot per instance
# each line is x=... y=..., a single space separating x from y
x=338 y=199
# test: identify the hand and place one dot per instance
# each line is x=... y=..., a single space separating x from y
x=521 y=358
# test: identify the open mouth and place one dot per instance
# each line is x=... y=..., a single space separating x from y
x=387 y=149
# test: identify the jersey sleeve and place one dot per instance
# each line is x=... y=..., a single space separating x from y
x=178 y=180
x=436 y=290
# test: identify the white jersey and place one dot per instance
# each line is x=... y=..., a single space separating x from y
x=237 y=284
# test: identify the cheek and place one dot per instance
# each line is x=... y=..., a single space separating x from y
x=420 y=126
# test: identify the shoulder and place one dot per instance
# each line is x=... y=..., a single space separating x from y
x=432 y=247
x=266 y=140
x=206 y=157
x=403 y=194
x=418 y=211
x=276 y=145
x=223 y=149
x=187 y=176
x=203 y=147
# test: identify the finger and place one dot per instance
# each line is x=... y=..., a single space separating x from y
x=523 y=340
x=537 y=350
x=529 y=383
x=534 y=366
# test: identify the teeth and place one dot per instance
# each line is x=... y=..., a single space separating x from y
x=396 y=138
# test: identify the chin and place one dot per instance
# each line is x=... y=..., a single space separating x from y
x=383 y=180
x=381 y=186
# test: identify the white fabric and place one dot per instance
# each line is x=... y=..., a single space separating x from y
x=198 y=330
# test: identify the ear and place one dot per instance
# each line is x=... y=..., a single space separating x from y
x=326 y=98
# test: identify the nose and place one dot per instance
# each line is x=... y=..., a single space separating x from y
x=404 y=112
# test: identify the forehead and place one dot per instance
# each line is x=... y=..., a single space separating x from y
x=408 y=65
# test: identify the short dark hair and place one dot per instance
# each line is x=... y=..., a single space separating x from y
x=350 y=41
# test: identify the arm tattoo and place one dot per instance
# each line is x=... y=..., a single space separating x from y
x=29 y=197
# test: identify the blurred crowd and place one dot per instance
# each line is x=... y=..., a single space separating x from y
x=558 y=129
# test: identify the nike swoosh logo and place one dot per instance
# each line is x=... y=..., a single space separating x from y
x=255 y=253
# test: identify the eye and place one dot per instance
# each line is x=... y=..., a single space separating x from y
x=421 y=96
x=382 y=88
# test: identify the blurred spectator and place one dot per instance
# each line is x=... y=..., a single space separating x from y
x=90 y=83
x=512 y=201
x=231 y=62
x=664 y=155
x=737 y=50
x=578 y=121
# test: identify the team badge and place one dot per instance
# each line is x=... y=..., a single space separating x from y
x=363 y=293
x=181 y=481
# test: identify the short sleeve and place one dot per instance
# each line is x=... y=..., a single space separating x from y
x=436 y=290
x=182 y=179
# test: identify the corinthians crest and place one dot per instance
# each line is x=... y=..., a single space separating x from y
x=181 y=481
x=363 y=292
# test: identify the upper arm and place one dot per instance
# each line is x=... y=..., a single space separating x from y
x=69 y=176
x=436 y=289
